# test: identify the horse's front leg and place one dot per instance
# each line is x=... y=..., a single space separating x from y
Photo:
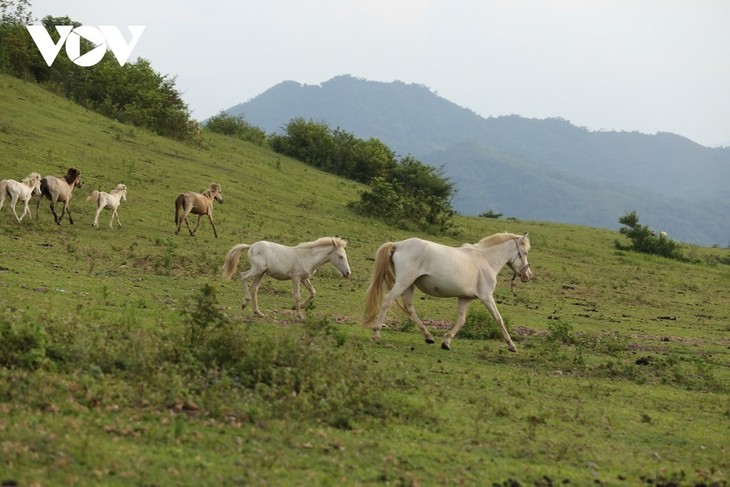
x=492 y=307
x=210 y=217
x=312 y=292
x=297 y=297
x=460 y=319
x=53 y=210
x=26 y=210
x=67 y=210
x=116 y=213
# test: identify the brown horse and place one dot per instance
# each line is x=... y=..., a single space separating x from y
x=198 y=204
x=59 y=189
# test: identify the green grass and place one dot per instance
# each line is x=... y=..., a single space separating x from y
x=622 y=375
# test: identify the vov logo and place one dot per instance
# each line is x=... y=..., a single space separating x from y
x=101 y=37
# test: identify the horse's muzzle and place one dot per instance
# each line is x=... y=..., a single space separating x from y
x=526 y=274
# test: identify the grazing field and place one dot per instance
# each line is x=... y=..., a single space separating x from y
x=126 y=359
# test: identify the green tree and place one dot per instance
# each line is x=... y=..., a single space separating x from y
x=235 y=126
x=643 y=239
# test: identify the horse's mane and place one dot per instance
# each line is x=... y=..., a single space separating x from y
x=323 y=241
x=71 y=175
x=499 y=238
x=31 y=177
x=120 y=187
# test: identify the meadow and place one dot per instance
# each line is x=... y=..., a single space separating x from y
x=125 y=358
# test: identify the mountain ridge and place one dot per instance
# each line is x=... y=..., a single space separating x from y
x=653 y=174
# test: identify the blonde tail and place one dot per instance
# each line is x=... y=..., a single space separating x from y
x=383 y=273
x=94 y=196
x=3 y=192
x=231 y=262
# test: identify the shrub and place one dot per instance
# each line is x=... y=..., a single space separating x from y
x=643 y=239
x=235 y=126
x=22 y=343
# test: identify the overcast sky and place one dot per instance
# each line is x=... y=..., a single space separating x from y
x=645 y=65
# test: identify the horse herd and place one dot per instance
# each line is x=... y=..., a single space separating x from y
x=467 y=272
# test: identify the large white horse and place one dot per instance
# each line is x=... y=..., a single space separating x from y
x=467 y=272
x=110 y=201
x=22 y=191
x=282 y=262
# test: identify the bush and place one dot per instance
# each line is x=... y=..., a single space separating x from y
x=645 y=240
x=235 y=126
x=22 y=343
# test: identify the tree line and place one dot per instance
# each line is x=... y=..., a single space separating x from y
x=133 y=93
x=401 y=191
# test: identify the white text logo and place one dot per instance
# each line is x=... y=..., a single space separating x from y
x=101 y=37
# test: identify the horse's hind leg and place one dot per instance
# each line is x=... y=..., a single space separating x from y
x=391 y=296
x=245 y=276
x=255 y=293
x=411 y=310
x=460 y=319
x=96 y=217
x=13 y=202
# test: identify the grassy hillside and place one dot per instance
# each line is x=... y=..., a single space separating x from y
x=622 y=375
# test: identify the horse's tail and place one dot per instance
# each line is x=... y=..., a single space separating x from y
x=383 y=273
x=178 y=206
x=94 y=196
x=3 y=192
x=231 y=262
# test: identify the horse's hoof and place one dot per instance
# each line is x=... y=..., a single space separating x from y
x=512 y=349
x=430 y=340
x=445 y=346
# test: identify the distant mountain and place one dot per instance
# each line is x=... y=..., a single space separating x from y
x=527 y=168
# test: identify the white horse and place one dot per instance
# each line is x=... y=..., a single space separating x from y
x=22 y=191
x=110 y=201
x=467 y=272
x=281 y=262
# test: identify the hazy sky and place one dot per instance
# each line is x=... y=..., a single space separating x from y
x=645 y=65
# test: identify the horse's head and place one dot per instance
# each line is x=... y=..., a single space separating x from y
x=519 y=264
x=215 y=190
x=34 y=181
x=73 y=177
x=338 y=257
x=122 y=189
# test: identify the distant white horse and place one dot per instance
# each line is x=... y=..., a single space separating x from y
x=22 y=191
x=467 y=272
x=281 y=262
x=110 y=201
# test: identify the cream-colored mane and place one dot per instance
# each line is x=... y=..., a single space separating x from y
x=324 y=241
x=499 y=238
